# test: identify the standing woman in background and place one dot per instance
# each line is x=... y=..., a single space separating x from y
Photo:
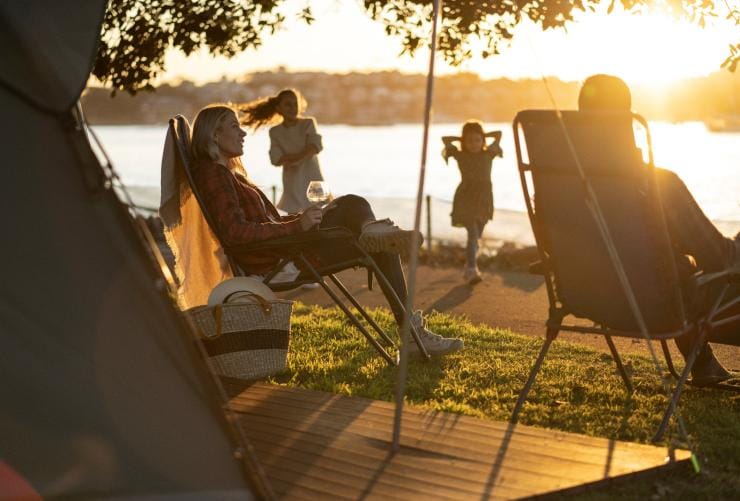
x=294 y=143
x=472 y=206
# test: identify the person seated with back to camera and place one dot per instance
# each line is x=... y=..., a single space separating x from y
x=243 y=214
x=689 y=229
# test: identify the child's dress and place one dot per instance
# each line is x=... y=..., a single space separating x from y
x=288 y=140
x=473 y=201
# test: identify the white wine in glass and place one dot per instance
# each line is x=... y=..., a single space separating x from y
x=318 y=192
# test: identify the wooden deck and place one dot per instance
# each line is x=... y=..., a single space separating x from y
x=317 y=445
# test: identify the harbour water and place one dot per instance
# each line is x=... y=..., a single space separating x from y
x=382 y=164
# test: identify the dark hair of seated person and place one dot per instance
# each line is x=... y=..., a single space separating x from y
x=604 y=92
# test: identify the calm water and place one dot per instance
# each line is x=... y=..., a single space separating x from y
x=383 y=162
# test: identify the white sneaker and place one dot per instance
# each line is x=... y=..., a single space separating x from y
x=289 y=273
x=384 y=236
x=472 y=275
x=434 y=343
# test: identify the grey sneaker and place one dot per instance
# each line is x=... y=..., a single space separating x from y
x=385 y=236
x=434 y=343
x=472 y=275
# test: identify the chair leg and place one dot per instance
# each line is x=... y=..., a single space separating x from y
x=620 y=366
x=352 y=318
x=385 y=285
x=362 y=310
x=680 y=384
x=669 y=359
x=551 y=335
x=275 y=271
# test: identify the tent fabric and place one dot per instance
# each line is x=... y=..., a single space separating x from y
x=103 y=394
x=200 y=261
x=47 y=48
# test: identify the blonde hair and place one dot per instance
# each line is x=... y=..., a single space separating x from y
x=207 y=121
x=264 y=110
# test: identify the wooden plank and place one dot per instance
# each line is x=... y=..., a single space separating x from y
x=401 y=470
x=539 y=442
x=349 y=408
x=317 y=445
x=432 y=469
x=548 y=466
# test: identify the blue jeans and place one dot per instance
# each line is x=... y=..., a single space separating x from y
x=352 y=212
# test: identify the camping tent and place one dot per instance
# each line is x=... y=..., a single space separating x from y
x=101 y=392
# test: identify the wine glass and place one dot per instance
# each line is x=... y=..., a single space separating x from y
x=318 y=192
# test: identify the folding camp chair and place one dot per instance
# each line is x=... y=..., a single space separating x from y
x=297 y=249
x=580 y=276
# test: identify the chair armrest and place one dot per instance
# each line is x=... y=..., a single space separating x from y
x=732 y=274
x=294 y=243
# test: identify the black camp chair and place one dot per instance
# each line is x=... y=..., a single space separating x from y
x=580 y=276
x=297 y=248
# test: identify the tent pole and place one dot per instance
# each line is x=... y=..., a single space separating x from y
x=414 y=259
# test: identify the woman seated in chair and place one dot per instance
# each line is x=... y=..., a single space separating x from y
x=243 y=215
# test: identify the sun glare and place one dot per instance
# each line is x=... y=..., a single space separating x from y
x=652 y=48
x=648 y=49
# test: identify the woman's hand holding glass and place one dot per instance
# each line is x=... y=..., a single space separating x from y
x=310 y=217
x=318 y=193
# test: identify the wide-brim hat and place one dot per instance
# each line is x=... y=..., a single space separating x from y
x=238 y=288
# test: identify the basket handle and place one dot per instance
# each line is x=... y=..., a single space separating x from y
x=217 y=310
x=264 y=303
x=217 y=313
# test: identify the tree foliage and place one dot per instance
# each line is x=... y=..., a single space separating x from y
x=137 y=33
x=483 y=28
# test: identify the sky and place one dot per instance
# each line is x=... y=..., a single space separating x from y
x=645 y=49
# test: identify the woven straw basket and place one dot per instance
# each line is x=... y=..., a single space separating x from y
x=246 y=340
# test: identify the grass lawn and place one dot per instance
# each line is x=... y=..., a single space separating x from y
x=577 y=390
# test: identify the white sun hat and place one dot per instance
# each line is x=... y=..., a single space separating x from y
x=239 y=289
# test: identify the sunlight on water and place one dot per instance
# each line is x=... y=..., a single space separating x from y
x=384 y=161
x=707 y=162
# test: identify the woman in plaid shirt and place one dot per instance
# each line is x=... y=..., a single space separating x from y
x=243 y=214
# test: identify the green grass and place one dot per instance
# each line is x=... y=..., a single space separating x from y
x=577 y=390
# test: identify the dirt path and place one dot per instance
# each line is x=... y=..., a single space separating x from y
x=510 y=300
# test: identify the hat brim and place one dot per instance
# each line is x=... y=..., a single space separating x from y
x=227 y=288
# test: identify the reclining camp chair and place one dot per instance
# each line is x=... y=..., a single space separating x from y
x=297 y=248
x=579 y=275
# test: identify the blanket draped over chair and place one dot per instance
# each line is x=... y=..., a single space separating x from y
x=200 y=261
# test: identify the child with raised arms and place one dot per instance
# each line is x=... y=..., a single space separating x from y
x=472 y=206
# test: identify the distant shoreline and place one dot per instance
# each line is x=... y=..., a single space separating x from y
x=391 y=124
x=388 y=98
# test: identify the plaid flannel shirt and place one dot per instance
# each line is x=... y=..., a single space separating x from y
x=242 y=214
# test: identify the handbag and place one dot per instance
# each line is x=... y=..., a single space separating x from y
x=245 y=338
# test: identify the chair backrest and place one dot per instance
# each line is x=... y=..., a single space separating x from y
x=584 y=280
x=179 y=127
